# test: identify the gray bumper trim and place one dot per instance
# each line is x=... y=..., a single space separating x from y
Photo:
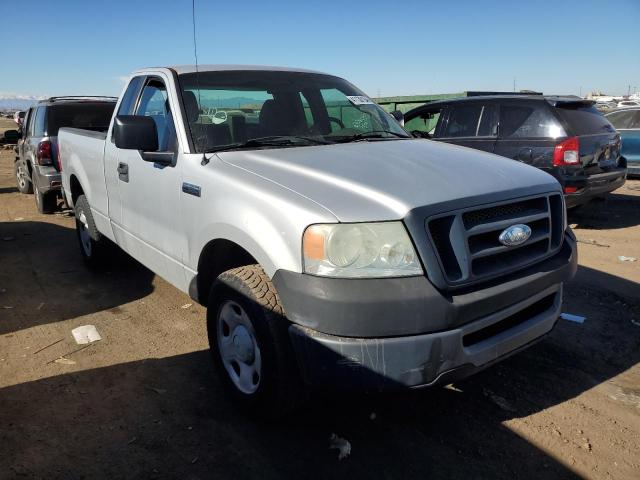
x=420 y=360
x=394 y=307
x=47 y=178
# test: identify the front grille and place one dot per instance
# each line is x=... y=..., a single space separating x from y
x=466 y=241
x=514 y=320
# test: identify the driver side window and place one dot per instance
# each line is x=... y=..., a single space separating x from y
x=154 y=103
x=424 y=122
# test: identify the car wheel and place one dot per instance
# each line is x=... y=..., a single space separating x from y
x=93 y=246
x=249 y=342
x=45 y=202
x=22 y=177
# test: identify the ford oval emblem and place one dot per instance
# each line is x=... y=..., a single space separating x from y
x=515 y=235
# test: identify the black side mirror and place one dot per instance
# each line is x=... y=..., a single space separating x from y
x=399 y=116
x=11 y=136
x=135 y=132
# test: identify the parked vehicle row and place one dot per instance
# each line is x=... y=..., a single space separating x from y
x=37 y=166
x=564 y=136
x=627 y=123
x=18 y=117
x=329 y=246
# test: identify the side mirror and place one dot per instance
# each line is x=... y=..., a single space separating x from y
x=11 y=136
x=135 y=132
x=399 y=116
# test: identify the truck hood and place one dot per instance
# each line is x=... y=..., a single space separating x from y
x=383 y=180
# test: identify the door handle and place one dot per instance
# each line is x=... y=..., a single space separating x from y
x=123 y=172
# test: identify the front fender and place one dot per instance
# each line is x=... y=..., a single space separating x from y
x=260 y=239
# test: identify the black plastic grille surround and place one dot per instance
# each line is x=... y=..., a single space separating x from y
x=466 y=241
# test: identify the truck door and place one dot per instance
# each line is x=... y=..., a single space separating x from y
x=126 y=106
x=151 y=227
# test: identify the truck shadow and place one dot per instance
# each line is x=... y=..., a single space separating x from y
x=170 y=418
x=44 y=279
x=615 y=211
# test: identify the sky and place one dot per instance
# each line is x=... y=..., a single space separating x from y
x=386 y=48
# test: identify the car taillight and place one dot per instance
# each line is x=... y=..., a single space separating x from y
x=58 y=159
x=43 y=155
x=567 y=152
x=570 y=189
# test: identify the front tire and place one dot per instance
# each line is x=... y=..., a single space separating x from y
x=93 y=246
x=22 y=177
x=249 y=342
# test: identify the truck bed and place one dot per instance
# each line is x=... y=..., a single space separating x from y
x=82 y=160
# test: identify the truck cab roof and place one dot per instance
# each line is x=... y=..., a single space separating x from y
x=181 y=69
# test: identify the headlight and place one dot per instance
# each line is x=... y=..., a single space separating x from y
x=356 y=250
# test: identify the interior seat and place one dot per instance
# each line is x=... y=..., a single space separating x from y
x=208 y=135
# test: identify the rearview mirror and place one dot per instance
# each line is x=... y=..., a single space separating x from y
x=399 y=116
x=135 y=132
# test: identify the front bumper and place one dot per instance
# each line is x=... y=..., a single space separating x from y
x=633 y=168
x=595 y=185
x=372 y=338
x=47 y=178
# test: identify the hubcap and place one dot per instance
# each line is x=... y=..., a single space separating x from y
x=83 y=231
x=238 y=347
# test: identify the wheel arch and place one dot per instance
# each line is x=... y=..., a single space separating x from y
x=76 y=188
x=218 y=256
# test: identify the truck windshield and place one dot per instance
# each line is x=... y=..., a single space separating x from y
x=258 y=109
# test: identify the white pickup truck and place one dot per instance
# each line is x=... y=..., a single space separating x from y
x=329 y=246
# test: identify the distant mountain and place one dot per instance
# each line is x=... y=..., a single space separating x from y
x=235 y=102
x=14 y=101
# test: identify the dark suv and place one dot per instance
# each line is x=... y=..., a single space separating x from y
x=37 y=167
x=565 y=136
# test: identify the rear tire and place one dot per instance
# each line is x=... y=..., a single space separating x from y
x=249 y=342
x=22 y=177
x=45 y=202
x=93 y=246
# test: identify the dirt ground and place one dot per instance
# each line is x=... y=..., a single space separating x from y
x=144 y=402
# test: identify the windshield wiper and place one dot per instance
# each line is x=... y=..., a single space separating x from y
x=367 y=135
x=271 y=141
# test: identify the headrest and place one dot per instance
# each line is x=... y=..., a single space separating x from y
x=268 y=111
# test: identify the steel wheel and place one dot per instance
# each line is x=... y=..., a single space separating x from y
x=83 y=231
x=21 y=176
x=238 y=347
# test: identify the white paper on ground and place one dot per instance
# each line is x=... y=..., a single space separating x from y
x=86 y=334
x=572 y=318
x=341 y=444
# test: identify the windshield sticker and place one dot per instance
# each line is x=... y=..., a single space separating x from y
x=359 y=100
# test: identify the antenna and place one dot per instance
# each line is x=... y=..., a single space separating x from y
x=204 y=160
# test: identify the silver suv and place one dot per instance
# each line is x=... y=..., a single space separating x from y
x=37 y=167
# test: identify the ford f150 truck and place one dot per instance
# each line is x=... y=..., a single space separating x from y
x=329 y=247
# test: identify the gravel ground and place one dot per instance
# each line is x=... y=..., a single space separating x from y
x=144 y=402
